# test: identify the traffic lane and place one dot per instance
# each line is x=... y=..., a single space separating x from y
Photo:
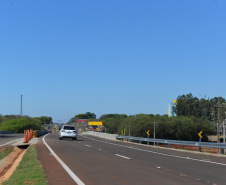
x=174 y=152
x=99 y=166
x=204 y=169
x=8 y=139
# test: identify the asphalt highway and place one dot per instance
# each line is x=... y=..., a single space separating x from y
x=9 y=139
x=98 y=161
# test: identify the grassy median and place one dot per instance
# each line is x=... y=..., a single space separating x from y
x=29 y=170
x=5 y=151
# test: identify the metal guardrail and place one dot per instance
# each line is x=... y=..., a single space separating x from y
x=39 y=133
x=221 y=146
x=6 y=132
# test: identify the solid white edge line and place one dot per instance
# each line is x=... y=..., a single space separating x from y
x=10 y=142
x=122 y=156
x=67 y=169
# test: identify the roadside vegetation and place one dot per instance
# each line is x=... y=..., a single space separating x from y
x=4 y=151
x=175 y=128
x=206 y=108
x=29 y=170
x=18 y=124
x=192 y=115
x=90 y=116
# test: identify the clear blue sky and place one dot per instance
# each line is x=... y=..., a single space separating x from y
x=109 y=56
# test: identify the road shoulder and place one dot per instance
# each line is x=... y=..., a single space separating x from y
x=54 y=172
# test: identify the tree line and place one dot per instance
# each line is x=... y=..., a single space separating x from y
x=17 y=123
x=187 y=105
x=175 y=128
x=192 y=115
x=87 y=115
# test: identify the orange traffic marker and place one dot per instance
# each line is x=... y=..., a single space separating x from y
x=25 y=136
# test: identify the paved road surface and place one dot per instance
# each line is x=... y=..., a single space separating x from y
x=99 y=161
x=9 y=139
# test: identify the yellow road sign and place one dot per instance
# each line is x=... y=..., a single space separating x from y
x=95 y=123
x=199 y=134
x=122 y=131
x=148 y=132
x=34 y=134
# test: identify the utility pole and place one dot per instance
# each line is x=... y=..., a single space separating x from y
x=224 y=132
x=129 y=129
x=154 y=132
x=224 y=122
x=217 y=119
x=21 y=105
x=218 y=124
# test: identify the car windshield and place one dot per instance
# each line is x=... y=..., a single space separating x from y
x=69 y=128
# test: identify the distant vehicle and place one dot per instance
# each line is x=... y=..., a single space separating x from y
x=68 y=131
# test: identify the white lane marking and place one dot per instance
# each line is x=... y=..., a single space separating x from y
x=169 y=155
x=67 y=169
x=88 y=146
x=206 y=160
x=10 y=142
x=122 y=156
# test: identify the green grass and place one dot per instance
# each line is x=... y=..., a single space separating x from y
x=29 y=170
x=5 y=151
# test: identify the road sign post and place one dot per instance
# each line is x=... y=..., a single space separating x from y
x=200 y=135
x=148 y=136
x=200 y=139
x=122 y=131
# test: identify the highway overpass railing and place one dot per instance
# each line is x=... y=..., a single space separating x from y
x=220 y=146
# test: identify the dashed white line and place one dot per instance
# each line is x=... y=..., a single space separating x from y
x=88 y=146
x=169 y=155
x=122 y=156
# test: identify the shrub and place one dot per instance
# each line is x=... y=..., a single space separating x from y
x=18 y=125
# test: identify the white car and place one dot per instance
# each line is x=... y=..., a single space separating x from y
x=67 y=131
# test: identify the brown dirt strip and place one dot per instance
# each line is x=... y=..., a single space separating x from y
x=7 y=161
x=13 y=167
x=191 y=148
x=54 y=172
